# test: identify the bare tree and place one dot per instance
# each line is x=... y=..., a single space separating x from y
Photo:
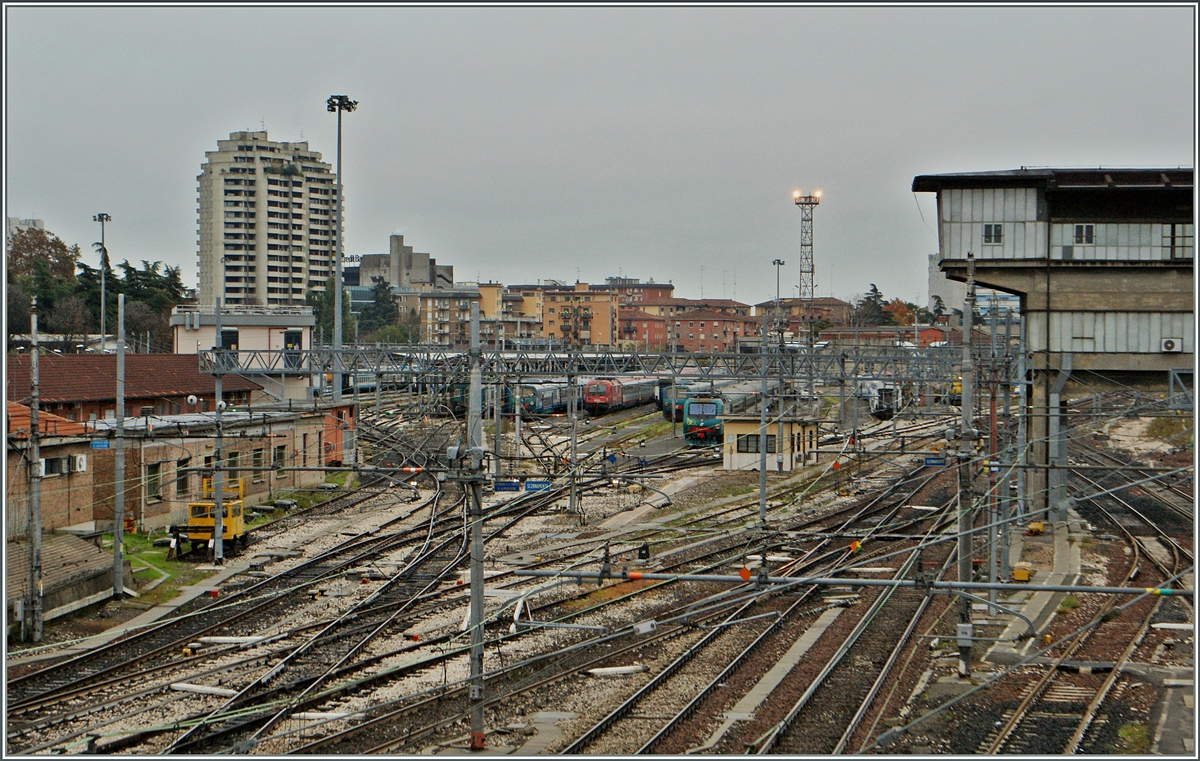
x=140 y=318
x=70 y=317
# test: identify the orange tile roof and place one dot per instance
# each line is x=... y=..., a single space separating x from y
x=17 y=423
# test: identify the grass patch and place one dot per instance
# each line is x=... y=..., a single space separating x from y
x=1069 y=603
x=1171 y=429
x=1134 y=738
x=607 y=593
x=734 y=491
x=183 y=573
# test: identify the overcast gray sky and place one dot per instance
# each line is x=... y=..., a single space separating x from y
x=526 y=143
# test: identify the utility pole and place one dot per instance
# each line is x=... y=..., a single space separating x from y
x=518 y=404
x=102 y=218
x=217 y=548
x=497 y=404
x=475 y=520
x=966 y=453
x=674 y=392
x=1022 y=424
x=762 y=430
x=32 y=623
x=993 y=506
x=119 y=456
x=573 y=503
x=1006 y=459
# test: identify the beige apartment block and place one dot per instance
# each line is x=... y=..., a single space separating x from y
x=266 y=221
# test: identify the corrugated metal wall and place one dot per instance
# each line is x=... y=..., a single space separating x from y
x=965 y=211
x=1117 y=242
x=1110 y=332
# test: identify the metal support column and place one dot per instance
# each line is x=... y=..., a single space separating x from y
x=217 y=546
x=119 y=459
x=475 y=520
x=573 y=503
x=497 y=419
x=1057 y=444
x=32 y=620
x=966 y=454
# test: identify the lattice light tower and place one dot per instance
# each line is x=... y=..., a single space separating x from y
x=808 y=280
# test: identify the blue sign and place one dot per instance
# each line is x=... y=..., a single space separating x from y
x=507 y=485
x=612 y=458
x=934 y=461
x=99 y=443
x=537 y=485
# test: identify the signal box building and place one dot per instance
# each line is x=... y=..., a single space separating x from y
x=743 y=442
x=1103 y=263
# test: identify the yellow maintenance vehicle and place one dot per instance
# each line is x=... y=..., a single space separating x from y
x=200 y=514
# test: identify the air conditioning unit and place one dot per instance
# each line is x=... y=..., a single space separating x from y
x=78 y=463
x=1172 y=345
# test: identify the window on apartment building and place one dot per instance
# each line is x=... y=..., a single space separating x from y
x=183 y=478
x=153 y=481
x=231 y=462
x=256 y=461
x=304 y=450
x=1085 y=234
x=993 y=234
x=280 y=459
x=747 y=443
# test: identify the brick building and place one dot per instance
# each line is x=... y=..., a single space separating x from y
x=672 y=306
x=711 y=331
x=83 y=387
x=642 y=331
x=66 y=460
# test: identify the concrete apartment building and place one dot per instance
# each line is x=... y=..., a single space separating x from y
x=266 y=227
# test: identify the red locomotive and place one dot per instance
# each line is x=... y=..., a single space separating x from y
x=606 y=395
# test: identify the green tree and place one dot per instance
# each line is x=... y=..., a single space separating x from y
x=382 y=311
x=322 y=304
x=939 y=306
x=868 y=310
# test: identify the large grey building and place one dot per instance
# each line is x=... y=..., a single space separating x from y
x=1103 y=262
x=402 y=268
x=266 y=228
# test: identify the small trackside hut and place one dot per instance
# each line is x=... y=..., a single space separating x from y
x=741 y=448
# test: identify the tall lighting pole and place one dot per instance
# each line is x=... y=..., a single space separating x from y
x=102 y=218
x=338 y=104
x=808 y=279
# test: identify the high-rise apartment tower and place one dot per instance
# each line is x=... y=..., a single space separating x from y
x=266 y=221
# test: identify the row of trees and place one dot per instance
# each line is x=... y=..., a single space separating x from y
x=873 y=310
x=68 y=291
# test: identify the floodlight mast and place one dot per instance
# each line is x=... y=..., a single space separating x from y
x=338 y=104
x=808 y=280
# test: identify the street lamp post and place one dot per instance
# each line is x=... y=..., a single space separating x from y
x=102 y=218
x=338 y=104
